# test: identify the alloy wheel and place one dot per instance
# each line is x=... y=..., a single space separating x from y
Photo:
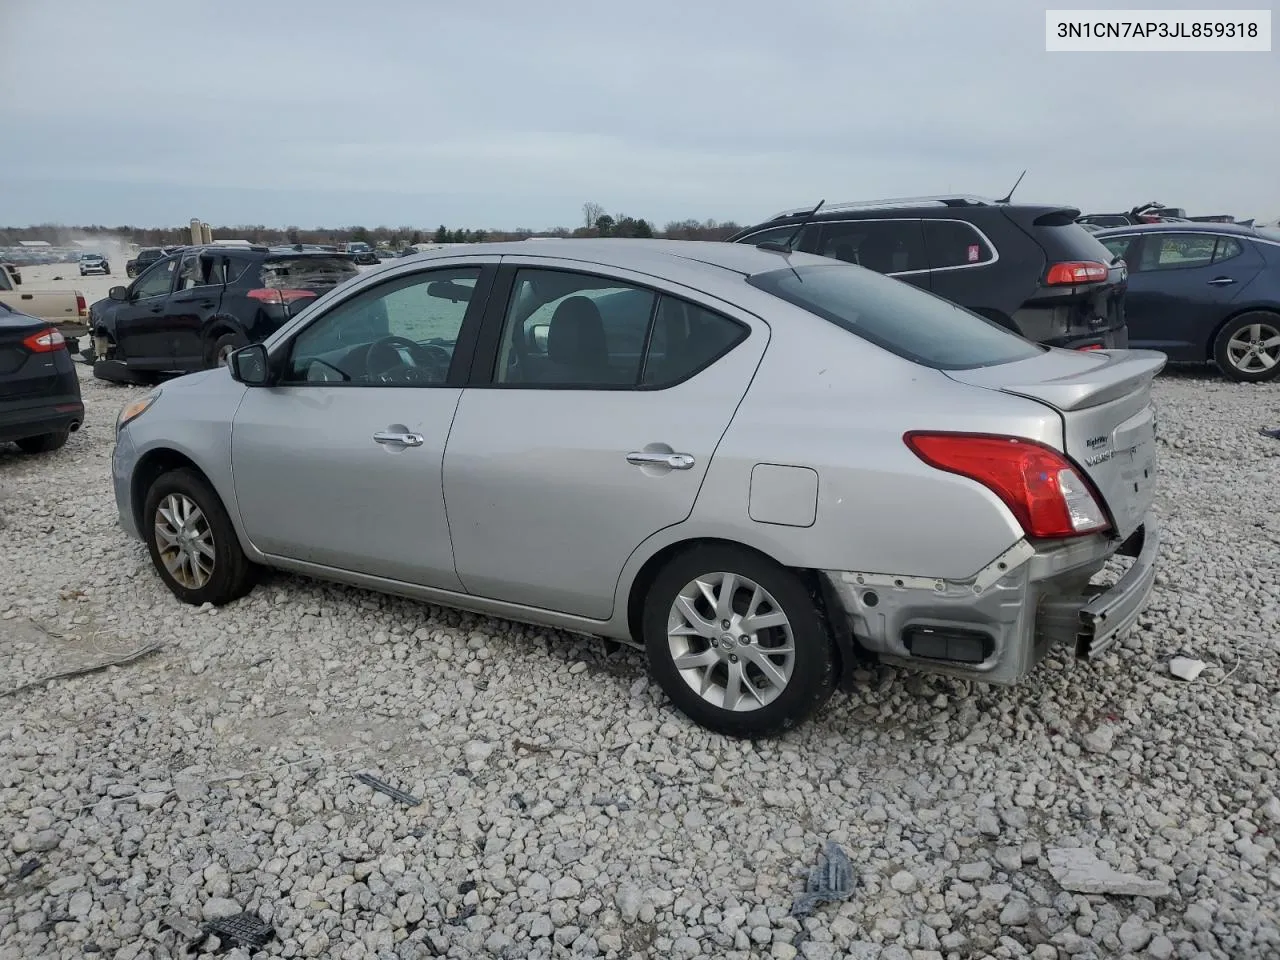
x=184 y=540
x=1254 y=348
x=731 y=641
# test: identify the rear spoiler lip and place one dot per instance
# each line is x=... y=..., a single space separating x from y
x=1122 y=373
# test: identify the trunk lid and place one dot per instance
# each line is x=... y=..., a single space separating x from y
x=1108 y=418
x=22 y=372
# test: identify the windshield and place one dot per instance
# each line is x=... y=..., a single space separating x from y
x=896 y=316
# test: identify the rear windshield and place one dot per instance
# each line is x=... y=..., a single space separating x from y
x=892 y=314
x=284 y=272
x=1071 y=241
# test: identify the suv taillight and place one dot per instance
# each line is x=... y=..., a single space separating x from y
x=46 y=341
x=1072 y=272
x=272 y=295
x=1040 y=486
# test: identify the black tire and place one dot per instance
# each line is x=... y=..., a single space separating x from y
x=228 y=343
x=231 y=576
x=45 y=442
x=1269 y=325
x=812 y=678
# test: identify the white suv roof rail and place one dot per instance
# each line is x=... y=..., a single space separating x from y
x=948 y=200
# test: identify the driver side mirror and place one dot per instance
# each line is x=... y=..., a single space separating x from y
x=539 y=336
x=120 y=294
x=250 y=365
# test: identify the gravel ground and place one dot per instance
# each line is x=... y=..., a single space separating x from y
x=566 y=810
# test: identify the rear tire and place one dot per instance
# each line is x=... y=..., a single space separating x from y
x=191 y=540
x=732 y=679
x=1246 y=344
x=45 y=442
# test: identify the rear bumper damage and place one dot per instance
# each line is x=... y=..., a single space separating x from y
x=999 y=624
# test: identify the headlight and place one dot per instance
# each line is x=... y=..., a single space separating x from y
x=136 y=409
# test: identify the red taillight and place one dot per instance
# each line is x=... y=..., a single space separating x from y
x=271 y=295
x=1073 y=272
x=1092 y=346
x=82 y=308
x=46 y=341
x=1037 y=483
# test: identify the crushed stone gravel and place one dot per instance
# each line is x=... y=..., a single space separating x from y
x=567 y=810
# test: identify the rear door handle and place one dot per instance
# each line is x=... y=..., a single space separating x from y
x=399 y=439
x=1221 y=281
x=676 y=461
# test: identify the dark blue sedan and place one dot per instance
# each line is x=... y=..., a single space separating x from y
x=1203 y=291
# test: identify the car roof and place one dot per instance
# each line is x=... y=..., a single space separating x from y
x=641 y=255
x=1190 y=226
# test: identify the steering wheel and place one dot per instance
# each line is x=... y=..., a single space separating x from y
x=385 y=363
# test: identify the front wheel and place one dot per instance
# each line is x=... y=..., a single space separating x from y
x=1247 y=349
x=224 y=347
x=737 y=642
x=191 y=540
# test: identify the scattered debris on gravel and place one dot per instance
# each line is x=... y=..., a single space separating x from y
x=562 y=808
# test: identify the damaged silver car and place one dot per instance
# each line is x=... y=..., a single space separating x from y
x=757 y=466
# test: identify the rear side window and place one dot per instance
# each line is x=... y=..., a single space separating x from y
x=898 y=317
x=686 y=338
x=952 y=243
x=306 y=272
x=1227 y=248
x=885 y=246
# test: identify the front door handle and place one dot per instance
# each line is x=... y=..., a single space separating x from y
x=1221 y=281
x=399 y=439
x=676 y=461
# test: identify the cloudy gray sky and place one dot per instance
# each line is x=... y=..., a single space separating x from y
x=507 y=113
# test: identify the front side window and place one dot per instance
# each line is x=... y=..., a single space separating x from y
x=399 y=333
x=953 y=243
x=1178 y=251
x=581 y=331
x=157 y=281
x=898 y=317
x=885 y=246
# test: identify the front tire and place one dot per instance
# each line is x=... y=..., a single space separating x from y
x=1247 y=348
x=45 y=442
x=191 y=540
x=224 y=346
x=737 y=642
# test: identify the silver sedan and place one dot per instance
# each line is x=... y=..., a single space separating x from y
x=758 y=467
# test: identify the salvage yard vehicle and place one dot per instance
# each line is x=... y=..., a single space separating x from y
x=1202 y=292
x=94 y=263
x=1029 y=268
x=65 y=308
x=188 y=311
x=145 y=258
x=40 y=403
x=756 y=466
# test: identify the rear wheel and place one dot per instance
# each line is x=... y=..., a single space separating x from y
x=45 y=442
x=1247 y=349
x=737 y=642
x=191 y=540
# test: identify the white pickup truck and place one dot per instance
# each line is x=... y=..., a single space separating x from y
x=67 y=309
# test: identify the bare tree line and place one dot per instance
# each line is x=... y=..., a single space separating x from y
x=597 y=222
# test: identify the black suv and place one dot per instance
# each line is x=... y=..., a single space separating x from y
x=1031 y=269
x=189 y=310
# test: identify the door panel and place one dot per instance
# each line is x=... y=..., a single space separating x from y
x=340 y=464
x=551 y=488
x=1182 y=288
x=193 y=304
x=314 y=485
x=140 y=323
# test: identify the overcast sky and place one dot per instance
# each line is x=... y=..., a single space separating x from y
x=510 y=113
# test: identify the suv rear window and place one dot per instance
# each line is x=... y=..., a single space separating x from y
x=902 y=319
x=1070 y=241
x=289 y=272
